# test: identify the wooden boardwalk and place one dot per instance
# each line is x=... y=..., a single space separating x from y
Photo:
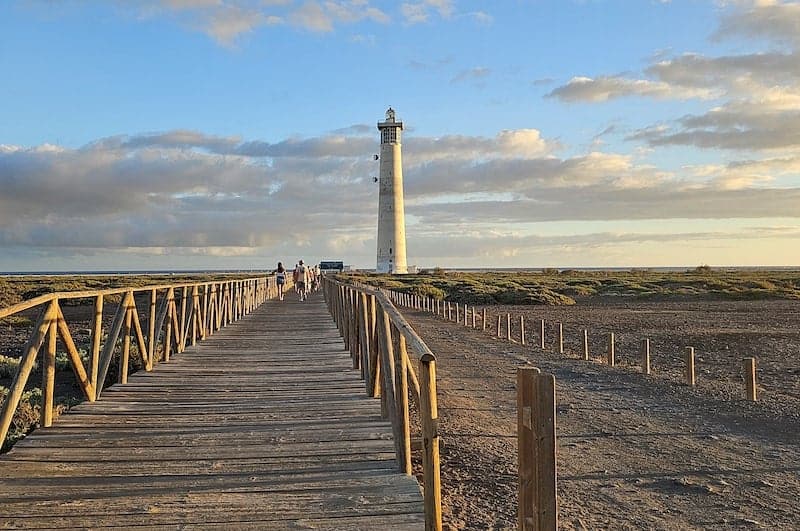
x=264 y=425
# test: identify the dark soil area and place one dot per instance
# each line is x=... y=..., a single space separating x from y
x=634 y=451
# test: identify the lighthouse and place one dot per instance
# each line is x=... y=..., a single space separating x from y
x=391 y=213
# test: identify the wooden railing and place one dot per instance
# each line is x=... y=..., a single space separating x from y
x=536 y=417
x=379 y=340
x=185 y=314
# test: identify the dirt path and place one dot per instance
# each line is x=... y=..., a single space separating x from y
x=634 y=452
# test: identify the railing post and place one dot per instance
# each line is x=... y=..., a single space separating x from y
x=151 y=332
x=401 y=397
x=49 y=373
x=373 y=386
x=97 y=334
x=197 y=322
x=363 y=335
x=122 y=373
x=430 y=442
x=646 y=356
x=181 y=334
x=170 y=318
x=27 y=361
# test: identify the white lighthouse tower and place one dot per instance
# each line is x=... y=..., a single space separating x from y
x=391 y=212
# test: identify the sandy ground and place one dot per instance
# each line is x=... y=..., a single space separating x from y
x=634 y=451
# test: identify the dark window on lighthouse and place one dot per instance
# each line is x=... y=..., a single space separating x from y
x=390 y=250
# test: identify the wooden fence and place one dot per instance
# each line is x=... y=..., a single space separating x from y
x=178 y=314
x=379 y=340
x=446 y=310
x=536 y=416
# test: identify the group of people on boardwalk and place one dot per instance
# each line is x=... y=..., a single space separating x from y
x=306 y=279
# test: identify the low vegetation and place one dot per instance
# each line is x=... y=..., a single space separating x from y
x=552 y=286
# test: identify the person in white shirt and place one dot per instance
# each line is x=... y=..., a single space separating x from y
x=302 y=280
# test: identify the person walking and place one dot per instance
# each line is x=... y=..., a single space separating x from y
x=302 y=280
x=280 y=280
x=294 y=278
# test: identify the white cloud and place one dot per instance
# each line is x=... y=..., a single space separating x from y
x=609 y=87
x=420 y=12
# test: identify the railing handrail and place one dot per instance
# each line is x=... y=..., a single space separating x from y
x=85 y=294
x=367 y=317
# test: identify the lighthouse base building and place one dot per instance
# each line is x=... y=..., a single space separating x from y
x=391 y=211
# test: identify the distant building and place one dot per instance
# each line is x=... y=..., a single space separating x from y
x=391 y=211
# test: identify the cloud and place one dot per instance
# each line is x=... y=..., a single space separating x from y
x=744 y=126
x=758 y=92
x=608 y=87
x=420 y=12
x=472 y=74
x=769 y=19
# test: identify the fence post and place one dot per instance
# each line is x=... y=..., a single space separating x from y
x=541 y=333
x=498 y=326
x=484 y=319
x=474 y=318
x=690 y=374
x=538 y=507
x=508 y=326
x=749 y=367
x=585 y=344
x=430 y=442
x=522 y=329
x=646 y=356
x=611 y=354
x=560 y=338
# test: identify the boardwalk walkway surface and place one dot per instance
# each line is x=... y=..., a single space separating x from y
x=264 y=425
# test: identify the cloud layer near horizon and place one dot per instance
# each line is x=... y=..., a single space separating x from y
x=190 y=190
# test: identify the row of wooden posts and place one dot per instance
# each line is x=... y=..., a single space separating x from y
x=186 y=313
x=454 y=312
x=380 y=342
x=536 y=423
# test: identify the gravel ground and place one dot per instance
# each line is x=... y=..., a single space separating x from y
x=634 y=451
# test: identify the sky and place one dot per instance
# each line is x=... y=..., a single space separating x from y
x=230 y=134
